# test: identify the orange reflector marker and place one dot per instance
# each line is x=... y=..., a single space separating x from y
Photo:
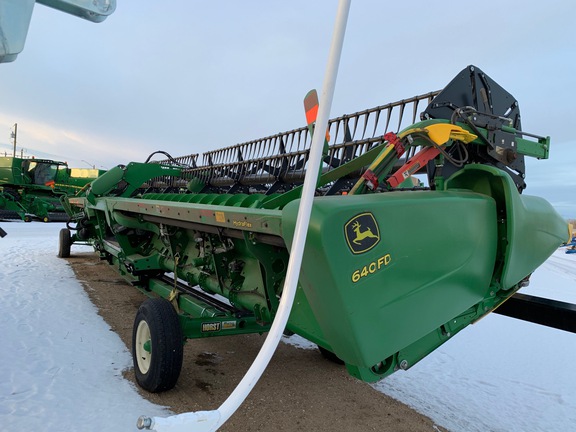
x=311 y=107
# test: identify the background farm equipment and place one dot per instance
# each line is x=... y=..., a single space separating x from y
x=33 y=188
x=571 y=246
x=208 y=241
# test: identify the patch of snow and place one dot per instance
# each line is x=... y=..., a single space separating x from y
x=61 y=363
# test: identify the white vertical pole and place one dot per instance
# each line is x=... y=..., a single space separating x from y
x=207 y=421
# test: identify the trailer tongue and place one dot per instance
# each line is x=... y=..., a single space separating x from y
x=392 y=268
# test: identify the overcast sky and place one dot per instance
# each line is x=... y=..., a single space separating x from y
x=188 y=76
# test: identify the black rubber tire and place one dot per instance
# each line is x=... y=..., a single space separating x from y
x=160 y=370
x=329 y=355
x=65 y=243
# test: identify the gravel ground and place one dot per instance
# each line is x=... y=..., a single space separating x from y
x=300 y=390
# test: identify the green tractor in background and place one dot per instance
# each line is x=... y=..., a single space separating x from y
x=33 y=188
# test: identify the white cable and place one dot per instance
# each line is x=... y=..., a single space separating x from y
x=209 y=421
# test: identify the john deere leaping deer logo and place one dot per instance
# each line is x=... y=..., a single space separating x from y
x=362 y=233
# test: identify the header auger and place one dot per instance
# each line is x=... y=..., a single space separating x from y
x=375 y=291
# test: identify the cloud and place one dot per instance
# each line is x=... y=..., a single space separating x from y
x=38 y=138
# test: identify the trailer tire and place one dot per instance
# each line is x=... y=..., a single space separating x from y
x=157 y=345
x=64 y=244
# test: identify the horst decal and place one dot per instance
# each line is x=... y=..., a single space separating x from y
x=210 y=327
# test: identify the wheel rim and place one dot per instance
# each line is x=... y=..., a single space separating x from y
x=143 y=347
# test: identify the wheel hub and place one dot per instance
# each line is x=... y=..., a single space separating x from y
x=143 y=347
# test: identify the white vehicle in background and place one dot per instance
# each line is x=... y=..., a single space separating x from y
x=15 y=16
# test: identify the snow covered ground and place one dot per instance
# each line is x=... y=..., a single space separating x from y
x=61 y=364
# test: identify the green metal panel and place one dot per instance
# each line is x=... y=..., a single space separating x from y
x=532 y=229
x=375 y=296
x=11 y=170
x=245 y=219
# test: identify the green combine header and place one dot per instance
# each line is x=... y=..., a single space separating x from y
x=418 y=229
x=32 y=188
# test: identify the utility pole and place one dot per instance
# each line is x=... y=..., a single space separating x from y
x=14 y=136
